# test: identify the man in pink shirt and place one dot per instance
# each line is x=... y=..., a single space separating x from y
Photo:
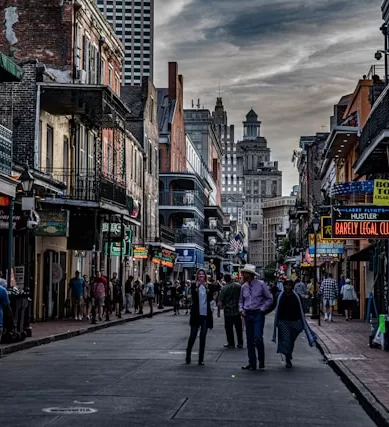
x=99 y=292
x=255 y=299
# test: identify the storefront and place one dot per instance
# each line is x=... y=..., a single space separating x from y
x=164 y=259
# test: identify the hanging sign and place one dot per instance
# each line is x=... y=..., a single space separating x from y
x=360 y=222
x=381 y=192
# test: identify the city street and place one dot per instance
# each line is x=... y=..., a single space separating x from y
x=135 y=375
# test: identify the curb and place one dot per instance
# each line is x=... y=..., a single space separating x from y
x=376 y=411
x=25 y=345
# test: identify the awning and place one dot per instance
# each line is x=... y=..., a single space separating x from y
x=362 y=255
x=9 y=71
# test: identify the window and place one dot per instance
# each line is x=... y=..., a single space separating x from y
x=39 y=151
x=66 y=154
x=110 y=76
x=151 y=110
x=49 y=148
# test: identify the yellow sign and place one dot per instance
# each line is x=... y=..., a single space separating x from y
x=381 y=192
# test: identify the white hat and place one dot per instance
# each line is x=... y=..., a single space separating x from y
x=348 y=281
x=249 y=268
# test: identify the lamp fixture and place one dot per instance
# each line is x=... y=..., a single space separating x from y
x=27 y=180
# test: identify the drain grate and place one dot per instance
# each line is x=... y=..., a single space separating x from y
x=72 y=410
x=345 y=357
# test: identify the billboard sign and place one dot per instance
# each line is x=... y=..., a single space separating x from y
x=360 y=222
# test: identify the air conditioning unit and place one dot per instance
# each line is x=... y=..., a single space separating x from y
x=81 y=76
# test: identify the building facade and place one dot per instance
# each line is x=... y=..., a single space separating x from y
x=275 y=225
x=172 y=141
x=232 y=184
x=262 y=180
x=69 y=126
x=133 y=22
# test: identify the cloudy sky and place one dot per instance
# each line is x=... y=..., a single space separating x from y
x=291 y=60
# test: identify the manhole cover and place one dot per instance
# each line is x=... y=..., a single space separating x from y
x=72 y=410
x=341 y=357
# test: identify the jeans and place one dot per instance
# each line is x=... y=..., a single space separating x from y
x=255 y=323
x=229 y=323
x=128 y=302
x=193 y=335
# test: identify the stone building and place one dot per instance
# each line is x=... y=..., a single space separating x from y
x=275 y=225
x=262 y=180
x=232 y=184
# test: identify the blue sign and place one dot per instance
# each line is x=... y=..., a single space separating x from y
x=186 y=256
x=357 y=187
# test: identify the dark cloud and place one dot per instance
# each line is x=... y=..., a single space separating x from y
x=289 y=59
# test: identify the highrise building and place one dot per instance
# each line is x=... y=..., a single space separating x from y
x=232 y=183
x=262 y=180
x=133 y=22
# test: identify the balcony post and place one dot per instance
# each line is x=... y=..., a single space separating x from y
x=108 y=295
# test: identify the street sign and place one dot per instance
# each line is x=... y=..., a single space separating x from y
x=330 y=248
x=360 y=222
x=126 y=244
x=381 y=192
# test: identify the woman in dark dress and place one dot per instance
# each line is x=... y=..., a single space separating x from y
x=290 y=322
x=200 y=315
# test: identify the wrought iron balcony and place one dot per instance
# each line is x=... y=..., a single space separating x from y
x=189 y=235
x=213 y=226
x=89 y=185
x=375 y=134
x=181 y=200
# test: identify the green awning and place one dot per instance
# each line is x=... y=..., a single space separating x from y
x=9 y=71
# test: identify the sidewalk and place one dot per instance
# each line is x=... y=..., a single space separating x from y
x=365 y=371
x=55 y=330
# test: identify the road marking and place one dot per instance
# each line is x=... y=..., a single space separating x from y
x=180 y=352
x=83 y=403
x=71 y=410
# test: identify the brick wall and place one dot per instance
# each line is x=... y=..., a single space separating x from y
x=18 y=113
x=37 y=29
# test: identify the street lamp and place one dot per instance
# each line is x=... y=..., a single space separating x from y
x=316 y=225
x=26 y=180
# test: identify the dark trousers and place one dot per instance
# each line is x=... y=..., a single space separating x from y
x=229 y=323
x=193 y=335
x=255 y=323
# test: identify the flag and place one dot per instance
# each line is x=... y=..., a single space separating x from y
x=236 y=243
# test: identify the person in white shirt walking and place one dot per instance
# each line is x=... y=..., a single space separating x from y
x=349 y=296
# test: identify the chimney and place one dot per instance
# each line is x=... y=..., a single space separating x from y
x=173 y=76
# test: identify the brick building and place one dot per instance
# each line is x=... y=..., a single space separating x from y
x=68 y=123
x=171 y=123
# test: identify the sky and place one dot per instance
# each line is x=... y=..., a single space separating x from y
x=290 y=60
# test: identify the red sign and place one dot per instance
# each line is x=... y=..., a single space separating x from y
x=361 y=230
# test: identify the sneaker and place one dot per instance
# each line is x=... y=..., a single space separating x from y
x=288 y=364
x=88 y=317
x=229 y=346
x=261 y=365
x=249 y=368
x=240 y=345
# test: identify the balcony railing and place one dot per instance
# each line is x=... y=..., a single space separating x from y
x=189 y=235
x=378 y=121
x=89 y=186
x=213 y=225
x=190 y=199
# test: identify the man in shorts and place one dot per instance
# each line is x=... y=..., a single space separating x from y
x=77 y=285
x=329 y=293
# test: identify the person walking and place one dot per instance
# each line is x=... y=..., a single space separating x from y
x=175 y=293
x=229 y=301
x=349 y=297
x=290 y=321
x=200 y=315
x=128 y=293
x=5 y=308
x=329 y=292
x=99 y=292
x=76 y=287
x=254 y=300
x=87 y=297
x=117 y=293
x=149 y=293
x=138 y=303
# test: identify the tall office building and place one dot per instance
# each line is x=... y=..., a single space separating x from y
x=232 y=184
x=133 y=22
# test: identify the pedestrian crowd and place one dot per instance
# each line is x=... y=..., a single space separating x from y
x=246 y=304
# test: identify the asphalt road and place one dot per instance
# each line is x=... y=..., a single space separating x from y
x=134 y=375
